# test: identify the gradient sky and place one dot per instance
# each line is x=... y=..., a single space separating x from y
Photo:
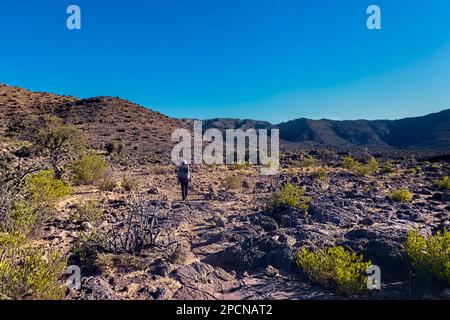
x=272 y=60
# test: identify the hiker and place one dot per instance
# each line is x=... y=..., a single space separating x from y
x=184 y=176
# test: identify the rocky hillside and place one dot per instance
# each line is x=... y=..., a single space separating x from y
x=146 y=133
x=141 y=131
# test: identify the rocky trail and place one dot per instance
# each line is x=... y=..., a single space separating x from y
x=226 y=245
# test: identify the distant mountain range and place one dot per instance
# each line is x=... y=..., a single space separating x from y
x=430 y=132
x=107 y=119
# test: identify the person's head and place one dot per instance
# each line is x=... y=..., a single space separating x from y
x=184 y=162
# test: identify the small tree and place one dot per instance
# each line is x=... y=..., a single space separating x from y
x=60 y=142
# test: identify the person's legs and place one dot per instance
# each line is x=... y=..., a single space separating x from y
x=184 y=189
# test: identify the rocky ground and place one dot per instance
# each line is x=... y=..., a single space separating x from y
x=225 y=244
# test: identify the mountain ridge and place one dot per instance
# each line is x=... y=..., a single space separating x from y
x=114 y=119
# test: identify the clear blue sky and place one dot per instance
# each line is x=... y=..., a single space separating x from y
x=265 y=59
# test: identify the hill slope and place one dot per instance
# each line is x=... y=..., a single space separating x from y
x=103 y=119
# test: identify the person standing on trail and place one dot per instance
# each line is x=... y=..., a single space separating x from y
x=184 y=177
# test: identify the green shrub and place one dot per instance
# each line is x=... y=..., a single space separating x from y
x=443 y=183
x=87 y=248
x=388 y=167
x=364 y=169
x=430 y=256
x=60 y=142
x=348 y=163
x=401 y=195
x=361 y=169
x=88 y=169
x=42 y=187
x=23 y=217
x=88 y=211
x=307 y=161
x=26 y=274
x=41 y=193
x=335 y=268
x=234 y=182
x=129 y=183
x=290 y=195
x=321 y=174
x=107 y=183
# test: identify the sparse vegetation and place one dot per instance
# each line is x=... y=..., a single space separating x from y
x=401 y=196
x=87 y=248
x=348 y=163
x=360 y=169
x=443 y=183
x=89 y=211
x=241 y=166
x=88 y=169
x=321 y=174
x=307 y=161
x=234 y=182
x=430 y=256
x=388 y=167
x=24 y=272
x=158 y=169
x=43 y=188
x=128 y=183
x=40 y=195
x=106 y=183
x=335 y=268
x=60 y=142
x=290 y=195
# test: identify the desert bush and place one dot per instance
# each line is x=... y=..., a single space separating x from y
x=241 y=166
x=307 y=161
x=321 y=174
x=364 y=169
x=106 y=183
x=388 y=167
x=348 y=163
x=42 y=187
x=335 y=268
x=60 y=142
x=23 y=218
x=401 y=196
x=158 y=169
x=89 y=211
x=290 y=195
x=361 y=169
x=25 y=273
x=234 y=182
x=443 y=183
x=414 y=170
x=87 y=248
x=88 y=169
x=128 y=183
x=431 y=256
x=144 y=226
x=39 y=196
x=114 y=147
